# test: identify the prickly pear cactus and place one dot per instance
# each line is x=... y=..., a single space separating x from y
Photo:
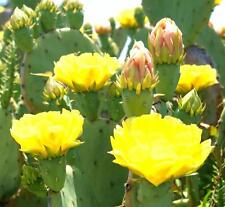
x=10 y=158
x=86 y=176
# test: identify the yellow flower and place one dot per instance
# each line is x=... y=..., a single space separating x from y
x=86 y=72
x=48 y=134
x=216 y=2
x=196 y=76
x=127 y=19
x=159 y=149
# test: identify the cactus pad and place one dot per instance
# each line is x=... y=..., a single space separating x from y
x=105 y=179
x=9 y=162
x=190 y=16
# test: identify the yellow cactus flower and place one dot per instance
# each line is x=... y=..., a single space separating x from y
x=196 y=76
x=159 y=149
x=85 y=72
x=48 y=134
x=127 y=19
x=216 y=2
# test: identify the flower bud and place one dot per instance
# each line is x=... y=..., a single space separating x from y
x=104 y=28
x=87 y=29
x=72 y=5
x=53 y=89
x=29 y=12
x=138 y=72
x=19 y=20
x=191 y=103
x=47 y=5
x=20 y=24
x=165 y=42
x=47 y=12
x=74 y=13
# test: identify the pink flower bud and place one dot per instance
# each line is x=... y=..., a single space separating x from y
x=138 y=71
x=165 y=42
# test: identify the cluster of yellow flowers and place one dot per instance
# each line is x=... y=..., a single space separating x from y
x=153 y=147
x=85 y=72
x=159 y=149
x=48 y=134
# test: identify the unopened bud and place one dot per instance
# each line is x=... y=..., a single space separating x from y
x=47 y=12
x=104 y=28
x=138 y=72
x=87 y=29
x=191 y=103
x=53 y=89
x=19 y=20
x=29 y=12
x=72 y=5
x=46 y=5
x=74 y=13
x=165 y=42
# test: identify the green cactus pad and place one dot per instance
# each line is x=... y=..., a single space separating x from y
x=137 y=104
x=67 y=196
x=9 y=162
x=142 y=35
x=190 y=16
x=104 y=180
x=53 y=172
x=49 y=48
x=169 y=75
x=141 y=193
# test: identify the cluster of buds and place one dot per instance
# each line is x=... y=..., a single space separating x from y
x=138 y=72
x=47 y=13
x=191 y=103
x=29 y=12
x=165 y=42
x=20 y=19
x=47 y=5
x=21 y=24
x=74 y=13
x=72 y=5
